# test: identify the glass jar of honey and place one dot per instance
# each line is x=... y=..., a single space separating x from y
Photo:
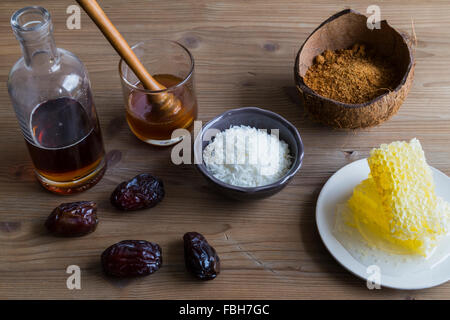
x=172 y=65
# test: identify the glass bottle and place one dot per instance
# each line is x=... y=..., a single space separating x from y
x=51 y=95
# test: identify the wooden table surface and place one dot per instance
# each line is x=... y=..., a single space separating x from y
x=244 y=53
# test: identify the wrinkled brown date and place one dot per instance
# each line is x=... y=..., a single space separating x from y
x=143 y=191
x=130 y=258
x=201 y=259
x=73 y=219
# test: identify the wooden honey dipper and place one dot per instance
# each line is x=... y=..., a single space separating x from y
x=167 y=103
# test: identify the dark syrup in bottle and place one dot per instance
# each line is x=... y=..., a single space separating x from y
x=67 y=141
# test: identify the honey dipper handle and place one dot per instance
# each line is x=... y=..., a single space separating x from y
x=99 y=17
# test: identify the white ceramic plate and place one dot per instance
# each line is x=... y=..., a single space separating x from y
x=338 y=189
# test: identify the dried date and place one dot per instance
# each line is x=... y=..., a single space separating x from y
x=200 y=257
x=141 y=192
x=73 y=219
x=130 y=258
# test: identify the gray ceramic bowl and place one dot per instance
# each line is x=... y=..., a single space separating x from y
x=261 y=119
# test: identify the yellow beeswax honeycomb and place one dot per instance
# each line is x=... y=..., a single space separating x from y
x=397 y=204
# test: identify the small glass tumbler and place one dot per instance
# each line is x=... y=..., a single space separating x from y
x=172 y=65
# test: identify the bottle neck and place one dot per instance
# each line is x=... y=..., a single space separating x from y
x=33 y=28
x=40 y=53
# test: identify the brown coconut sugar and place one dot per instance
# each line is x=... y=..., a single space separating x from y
x=354 y=75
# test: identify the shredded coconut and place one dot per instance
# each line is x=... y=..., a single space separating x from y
x=247 y=157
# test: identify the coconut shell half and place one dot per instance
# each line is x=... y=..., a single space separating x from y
x=341 y=31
